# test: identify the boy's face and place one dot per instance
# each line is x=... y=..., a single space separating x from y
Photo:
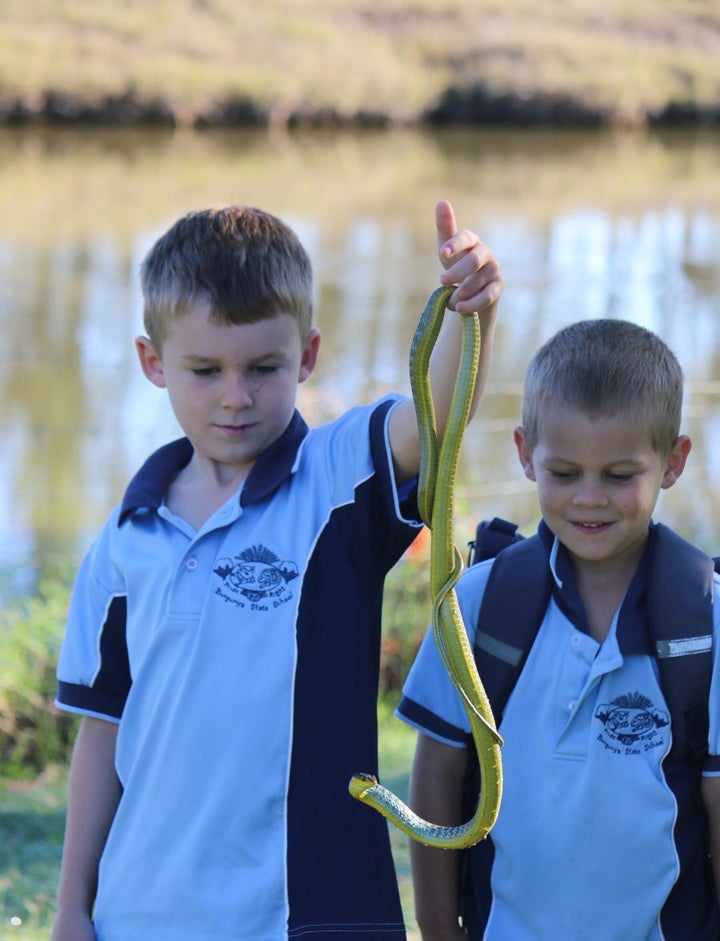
x=232 y=386
x=598 y=482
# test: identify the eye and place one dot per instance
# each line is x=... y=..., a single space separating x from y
x=618 y=477
x=265 y=369
x=205 y=371
x=562 y=475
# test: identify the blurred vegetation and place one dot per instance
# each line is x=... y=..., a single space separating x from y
x=33 y=734
x=375 y=62
x=407 y=611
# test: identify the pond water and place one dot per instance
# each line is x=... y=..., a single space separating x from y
x=585 y=225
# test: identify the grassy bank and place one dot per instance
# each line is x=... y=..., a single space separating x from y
x=376 y=61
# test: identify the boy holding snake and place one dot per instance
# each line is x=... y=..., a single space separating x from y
x=223 y=639
x=610 y=822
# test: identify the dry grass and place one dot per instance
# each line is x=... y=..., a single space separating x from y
x=395 y=58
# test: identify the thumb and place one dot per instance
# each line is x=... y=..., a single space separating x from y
x=445 y=225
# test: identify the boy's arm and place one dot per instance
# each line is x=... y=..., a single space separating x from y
x=93 y=795
x=436 y=794
x=710 y=790
x=471 y=265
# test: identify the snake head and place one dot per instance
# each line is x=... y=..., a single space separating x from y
x=360 y=783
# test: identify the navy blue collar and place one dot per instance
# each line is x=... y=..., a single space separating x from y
x=148 y=487
x=633 y=628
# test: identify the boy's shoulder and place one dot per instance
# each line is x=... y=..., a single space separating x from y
x=355 y=415
x=359 y=434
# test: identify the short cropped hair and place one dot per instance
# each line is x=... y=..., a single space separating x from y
x=605 y=368
x=247 y=263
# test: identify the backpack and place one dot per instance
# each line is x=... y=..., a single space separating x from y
x=517 y=595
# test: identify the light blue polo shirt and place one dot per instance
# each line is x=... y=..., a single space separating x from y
x=242 y=664
x=584 y=845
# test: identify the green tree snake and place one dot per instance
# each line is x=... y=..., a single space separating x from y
x=436 y=490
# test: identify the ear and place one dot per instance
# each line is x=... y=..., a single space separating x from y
x=524 y=454
x=676 y=460
x=308 y=359
x=150 y=362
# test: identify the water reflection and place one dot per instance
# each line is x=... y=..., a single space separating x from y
x=585 y=225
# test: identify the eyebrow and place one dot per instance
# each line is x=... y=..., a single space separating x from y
x=623 y=461
x=194 y=358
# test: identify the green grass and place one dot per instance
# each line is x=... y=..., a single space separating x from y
x=32 y=820
x=394 y=57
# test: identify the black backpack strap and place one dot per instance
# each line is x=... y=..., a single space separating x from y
x=491 y=537
x=511 y=612
x=510 y=618
x=681 y=598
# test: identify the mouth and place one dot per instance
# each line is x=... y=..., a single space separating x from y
x=234 y=429
x=590 y=527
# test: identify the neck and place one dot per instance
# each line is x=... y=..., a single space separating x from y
x=199 y=490
x=602 y=588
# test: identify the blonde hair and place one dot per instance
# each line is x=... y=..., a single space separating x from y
x=247 y=263
x=605 y=368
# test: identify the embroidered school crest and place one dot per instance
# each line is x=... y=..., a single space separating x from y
x=631 y=724
x=256 y=577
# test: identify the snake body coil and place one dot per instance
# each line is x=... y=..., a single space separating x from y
x=436 y=489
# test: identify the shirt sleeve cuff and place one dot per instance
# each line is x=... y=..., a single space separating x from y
x=73 y=697
x=425 y=721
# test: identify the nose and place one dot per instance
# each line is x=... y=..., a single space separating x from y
x=236 y=393
x=590 y=492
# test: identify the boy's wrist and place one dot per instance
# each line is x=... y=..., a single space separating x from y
x=74 y=924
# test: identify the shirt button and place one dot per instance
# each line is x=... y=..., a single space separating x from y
x=576 y=640
x=572 y=704
x=191 y=564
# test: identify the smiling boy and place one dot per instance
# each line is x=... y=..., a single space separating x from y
x=602 y=832
x=598 y=480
